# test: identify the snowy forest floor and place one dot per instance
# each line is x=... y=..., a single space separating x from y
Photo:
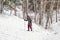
x=14 y=28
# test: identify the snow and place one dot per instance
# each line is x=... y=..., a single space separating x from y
x=56 y=27
x=14 y=28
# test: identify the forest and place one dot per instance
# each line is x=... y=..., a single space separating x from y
x=40 y=11
x=29 y=19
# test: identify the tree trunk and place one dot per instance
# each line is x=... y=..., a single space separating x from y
x=47 y=22
x=35 y=9
x=57 y=11
x=1 y=6
x=56 y=15
x=25 y=9
x=15 y=10
x=51 y=11
x=41 y=13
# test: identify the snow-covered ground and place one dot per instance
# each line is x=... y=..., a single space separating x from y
x=14 y=28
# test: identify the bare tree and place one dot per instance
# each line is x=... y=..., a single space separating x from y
x=35 y=9
x=41 y=12
x=48 y=13
x=1 y=3
x=25 y=8
x=55 y=8
x=15 y=7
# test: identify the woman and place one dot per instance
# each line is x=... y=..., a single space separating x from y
x=29 y=23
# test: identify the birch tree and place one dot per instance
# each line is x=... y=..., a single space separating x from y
x=41 y=12
x=48 y=13
x=1 y=6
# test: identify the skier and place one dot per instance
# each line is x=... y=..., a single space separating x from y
x=29 y=23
